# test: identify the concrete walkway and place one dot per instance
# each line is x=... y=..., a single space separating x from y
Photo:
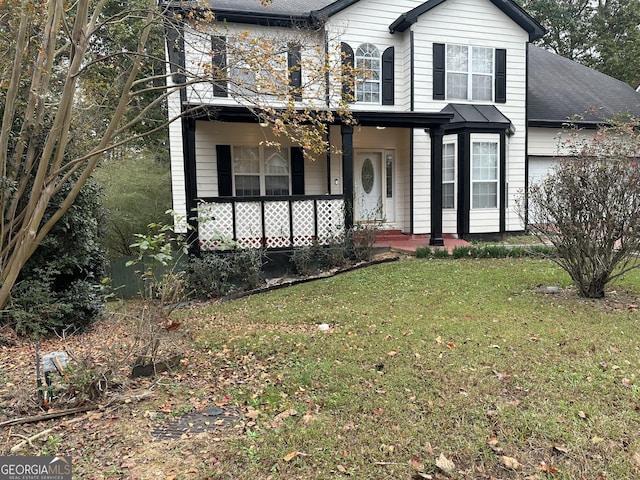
x=400 y=242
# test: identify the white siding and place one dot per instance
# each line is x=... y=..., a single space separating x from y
x=479 y=23
x=198 y=55
x=368 y=22
x=210 y=134
x=177 y=163
x=552 y=142
x=421 y=182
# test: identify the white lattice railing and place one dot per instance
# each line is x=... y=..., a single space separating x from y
x=279 y=222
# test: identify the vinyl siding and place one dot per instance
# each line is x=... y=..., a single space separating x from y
x=210 y=134
x=177 y=163
x=479 y=23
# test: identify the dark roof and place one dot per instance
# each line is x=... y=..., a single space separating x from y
x=508 y=7
x=476 y=116
x=278 y=11
x=560 y=89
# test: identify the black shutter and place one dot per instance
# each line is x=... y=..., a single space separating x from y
x=295 y=70
x=219 y=64
x=501 y=75
x=297 y=171
x=388 y=76
x=348 y=80
x=439 y=71
x=225 y=185
x=175 y=49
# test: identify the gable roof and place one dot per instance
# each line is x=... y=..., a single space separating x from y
x=508 y=7
x=560 y=89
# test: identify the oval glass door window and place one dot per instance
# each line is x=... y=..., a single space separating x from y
x=367 y=174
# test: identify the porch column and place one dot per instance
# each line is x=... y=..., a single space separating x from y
x=436 y=187
x=189 y=152
x=347 y=173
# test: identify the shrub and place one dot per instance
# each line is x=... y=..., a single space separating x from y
x=60 y=286
x=214 y=275
x=461 y=251
x=589 y=207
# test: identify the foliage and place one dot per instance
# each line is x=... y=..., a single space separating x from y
x=213 y=275
x=487 y=251
x=310 y=260
x=83 y=80
x=589 y=208
x=603 y=35
x=136 y=191
x=421 y=359
x=60 y=287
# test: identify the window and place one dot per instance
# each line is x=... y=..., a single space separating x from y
x=449 y=175
x=484 y=175
x=267 y=74
x=469 y=73
x=259 y=171
x=368 y=74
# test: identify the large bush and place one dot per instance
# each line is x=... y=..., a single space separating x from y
x=589 y=208
x=59 y=287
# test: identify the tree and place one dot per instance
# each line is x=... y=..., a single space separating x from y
x=136 y=191
x=604 y=35
x=57 y=57
x=589 y=208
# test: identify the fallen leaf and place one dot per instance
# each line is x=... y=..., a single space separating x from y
x=583 y=415
x=543 y=467
x=392 y=353
x=561 y=449
x=510 y=462
x=444 y=464
x=290 y=456
x=416 y=462
x=451 y=345
x=252 y=413
x=438 y=339
x=292 y=412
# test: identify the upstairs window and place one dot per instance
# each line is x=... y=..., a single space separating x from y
x=462 y=72
x=469 y=73
x=368 y=68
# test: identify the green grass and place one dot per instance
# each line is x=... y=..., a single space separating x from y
x=430 y=357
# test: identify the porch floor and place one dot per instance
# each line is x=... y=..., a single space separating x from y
x=400 y=242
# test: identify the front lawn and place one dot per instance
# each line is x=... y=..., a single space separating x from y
x=429 y=369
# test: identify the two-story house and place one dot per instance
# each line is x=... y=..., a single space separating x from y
x=439 y=144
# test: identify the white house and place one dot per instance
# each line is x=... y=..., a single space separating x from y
x=454 y=115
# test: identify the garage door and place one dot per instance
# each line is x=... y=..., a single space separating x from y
x=539 y=168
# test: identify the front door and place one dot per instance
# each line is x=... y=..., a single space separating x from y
x=368 y=186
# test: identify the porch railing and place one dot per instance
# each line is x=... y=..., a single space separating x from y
x=270 y=222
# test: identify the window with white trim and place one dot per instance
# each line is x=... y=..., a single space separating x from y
x=368 y=73
x=264 y=75
x=449 y=175
x=484 y=174
x=261 y=171
x=470 y=73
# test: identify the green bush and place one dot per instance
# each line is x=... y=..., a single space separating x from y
x=462 y=251
x=60 y=286
x=214 y=275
